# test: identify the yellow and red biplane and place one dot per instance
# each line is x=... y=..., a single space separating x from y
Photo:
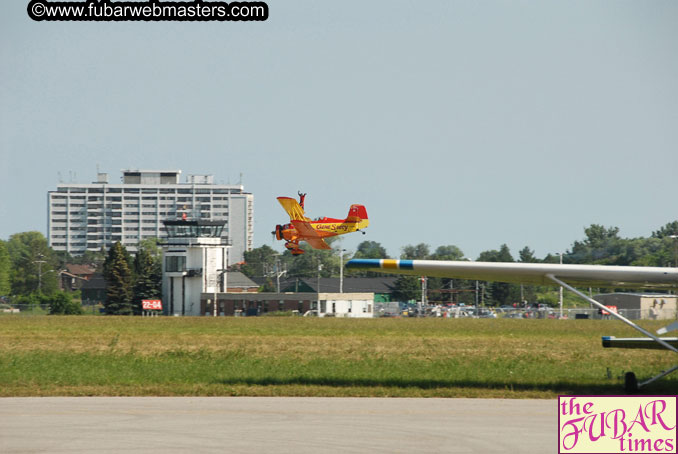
x=302 y=228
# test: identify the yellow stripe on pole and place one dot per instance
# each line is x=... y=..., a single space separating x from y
x=389 y=264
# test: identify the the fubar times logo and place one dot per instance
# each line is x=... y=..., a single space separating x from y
x=617 y=424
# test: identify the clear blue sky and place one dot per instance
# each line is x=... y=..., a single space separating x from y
x=466 y=123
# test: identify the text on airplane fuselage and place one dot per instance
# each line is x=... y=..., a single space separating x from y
x=333 y=227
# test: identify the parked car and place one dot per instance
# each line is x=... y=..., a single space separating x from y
x=514 y=314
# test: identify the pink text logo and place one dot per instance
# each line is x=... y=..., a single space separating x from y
x=617 y=424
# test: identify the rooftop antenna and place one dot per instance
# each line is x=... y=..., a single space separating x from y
x=59 y=177
x=240 y=182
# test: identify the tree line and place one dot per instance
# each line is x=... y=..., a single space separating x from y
x=29 y=274
x=29 y=268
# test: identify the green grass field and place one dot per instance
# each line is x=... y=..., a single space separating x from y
x=285 y=356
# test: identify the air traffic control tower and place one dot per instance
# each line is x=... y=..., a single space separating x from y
x=194 y=259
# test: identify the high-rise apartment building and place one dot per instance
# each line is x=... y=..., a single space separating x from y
x=84 y=217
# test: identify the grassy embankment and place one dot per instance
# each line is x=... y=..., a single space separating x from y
x=117 y=356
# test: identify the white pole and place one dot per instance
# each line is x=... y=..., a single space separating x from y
x=277 y=275
x=341 y=270
x=561 y=290
x=216 y=281
x=226 y=272
x=422 y=306
x=320 y=267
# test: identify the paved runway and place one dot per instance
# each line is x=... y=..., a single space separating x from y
x=276 y=425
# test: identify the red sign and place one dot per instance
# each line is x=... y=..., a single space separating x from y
x=151 y=305
x=611 y=309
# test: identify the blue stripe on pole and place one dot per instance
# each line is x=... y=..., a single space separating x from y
x=363 y=263
x=406 y=265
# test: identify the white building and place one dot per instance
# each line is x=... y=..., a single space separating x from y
x=353 y=305
x=87 y=217
x=194 y=260
x=642 y=306
x=240 y=302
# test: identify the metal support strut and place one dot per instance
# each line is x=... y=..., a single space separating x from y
x=657 y=339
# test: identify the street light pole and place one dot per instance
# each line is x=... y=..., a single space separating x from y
x=320 y=267
x=341 y=270
x=422 y=307
x=216 y=283
x=278 y=273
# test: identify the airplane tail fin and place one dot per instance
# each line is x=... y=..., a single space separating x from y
x=357 y=213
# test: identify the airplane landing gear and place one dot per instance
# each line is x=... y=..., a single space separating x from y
x=630 y=383
x=294 y=248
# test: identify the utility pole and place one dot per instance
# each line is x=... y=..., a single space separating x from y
x=278 y=274
x=320 y=267
x=451 y=291
x=40 y=262
x=341 y=270
x=423 y=294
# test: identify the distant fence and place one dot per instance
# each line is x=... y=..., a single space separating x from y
x=393 y=310
x=491 y=312
x=631 y=314
x=43 y=309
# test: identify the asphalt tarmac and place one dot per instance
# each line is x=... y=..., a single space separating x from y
x=276 y=425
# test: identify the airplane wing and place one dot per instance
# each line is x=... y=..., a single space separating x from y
x=294 y=210
x=317 y=243
x=310 y=235
x=637 y=342
x=528 y=273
